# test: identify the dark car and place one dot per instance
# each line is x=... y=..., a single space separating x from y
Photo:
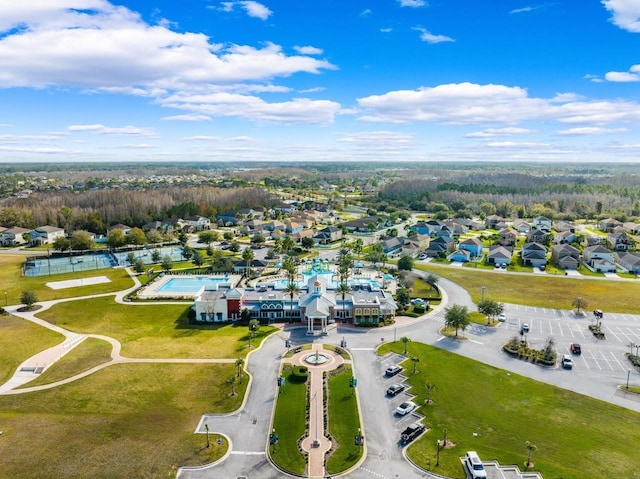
x=393 y=370
x=575 y=348
x=395 y=389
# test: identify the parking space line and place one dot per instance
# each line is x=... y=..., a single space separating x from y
x=634 y=334
x=617 y=360
x=614 y=334
x=586 y=363
x=595 y=360
x=606 y=360
x=623 y=333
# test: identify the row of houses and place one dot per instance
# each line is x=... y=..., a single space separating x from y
x=22 y=236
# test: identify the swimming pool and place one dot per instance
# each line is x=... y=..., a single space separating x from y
x=190 y=284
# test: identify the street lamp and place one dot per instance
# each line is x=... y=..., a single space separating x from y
x=5 y=299
x=482 y=288
x=628 y=373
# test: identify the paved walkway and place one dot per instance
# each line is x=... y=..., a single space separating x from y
x=316 y=443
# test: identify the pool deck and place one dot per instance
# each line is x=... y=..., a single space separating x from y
x=152 y=290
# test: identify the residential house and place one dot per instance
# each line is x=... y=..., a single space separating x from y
x=565 y=237
x=457 y=228
x=198 y=223
x=534 y=254
x=628 y=261
x=592 y=253
x=13 y=236
x=536 y=236
x=507 y=236
x=257 y=265
x=521 y=226
x=284 y=208
x=422 y=228
x=292 y=227
x=565 y=256
x=366 y=224
x=499 y=254
x=124 y=228
x=472 y=245
x=542 y=223
x=460 y=256
x=441 y=245
x=328 y=235
x=564 y=226
x=45 y=235
x=391 y=244
x=609 y=224
x=632 y=228
x=445 y=232
x=492 y=221
x=469 y=224
x=619 y=240
x=603 y=266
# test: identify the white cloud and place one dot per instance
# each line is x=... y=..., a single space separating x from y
x=386 y=30
x=589 y=130
x=468 y=103
x=226 y=104
x=626 y=14
x=429 y=37
x=217 y=138
x=522 y=10
x=308 y=50
x=495 y=132
x=633 y=75
x=386 y=137
x=412 y=3
x=366 y=12
x=312 y=90
x=514 y=144
x=256 y=10
x=187 y=117
x=106 y=130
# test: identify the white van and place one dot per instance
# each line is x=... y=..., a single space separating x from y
x=474 y=465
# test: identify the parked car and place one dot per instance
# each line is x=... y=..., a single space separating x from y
x=395 y=389
x=502 y=317
x=411 y=432
x=405 y=408
x=503 y=265
x=474 y=465
x=393 y=370
x=567 y=363
x=525 y=328
x=575 y=348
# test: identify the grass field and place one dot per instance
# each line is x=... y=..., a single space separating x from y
x=544 y=291
x=290 y=425
x=344 y=422
x=495 y=412
x=133 y=420
x=89 y=353
x=19 y=340
x=12 y=281
x=154 y=330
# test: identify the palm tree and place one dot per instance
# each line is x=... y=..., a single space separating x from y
x=289 y=266
x=415 y=360
x=292 y=289
x=531 y=447
x=239 y=364
x=405 y=340
x=357 y=246
x=232 y=382
x=430 y=387
x=343 y=289
x=248 y=255
x=254 y=325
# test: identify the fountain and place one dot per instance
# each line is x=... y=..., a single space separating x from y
x=316 y=358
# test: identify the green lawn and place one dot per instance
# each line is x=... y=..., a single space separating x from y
x=154 y=330
x=495 y=412
x=290 y=424
x=89 y=353
x=133 y=420
x=544 y=291
x=344 y=422
x=12 y=281
x=19 y=340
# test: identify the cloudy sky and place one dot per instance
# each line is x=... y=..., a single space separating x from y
x=302 y=80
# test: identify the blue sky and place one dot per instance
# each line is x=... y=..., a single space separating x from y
x=332 y=80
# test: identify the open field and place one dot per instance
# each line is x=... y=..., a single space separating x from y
x=133 y=420
x=154 y=330
x=19 y=340
x=495 y=412
x=89 y=353
x=12 y=281
x=618 y=296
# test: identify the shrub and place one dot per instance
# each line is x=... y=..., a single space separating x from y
x=418 y=308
